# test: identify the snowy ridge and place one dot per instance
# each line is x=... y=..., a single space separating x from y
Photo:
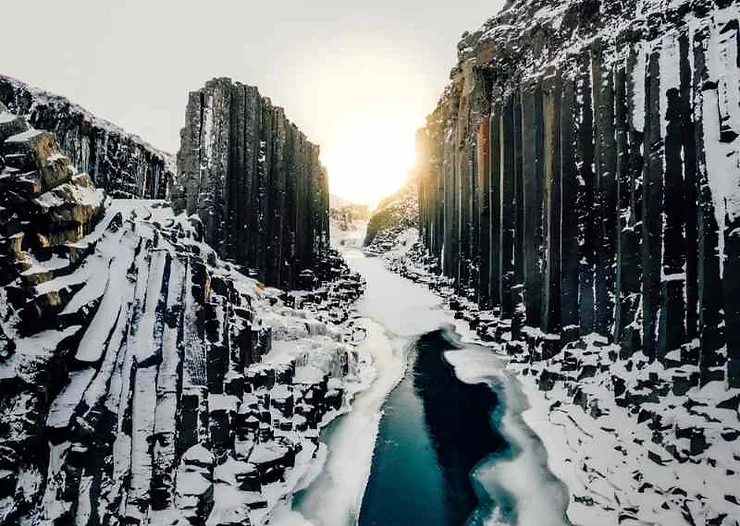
x=530 y=38
x=121 y=163
x=41 y=97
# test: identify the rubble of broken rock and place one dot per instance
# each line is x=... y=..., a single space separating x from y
x=142 y=379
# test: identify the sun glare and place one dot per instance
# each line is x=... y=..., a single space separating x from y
x=370 y=163
x=369 y=123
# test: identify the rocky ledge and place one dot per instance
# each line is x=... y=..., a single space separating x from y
x=120 y=163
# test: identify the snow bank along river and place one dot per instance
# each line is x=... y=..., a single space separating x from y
x=438 y=438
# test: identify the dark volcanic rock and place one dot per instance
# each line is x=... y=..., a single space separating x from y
x=137 y=384
x=579 y=205
x=581 y=174
x=120 y=163
x=254 y=180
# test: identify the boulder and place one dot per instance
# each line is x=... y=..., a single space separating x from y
x=11 y=124
x=36 y=155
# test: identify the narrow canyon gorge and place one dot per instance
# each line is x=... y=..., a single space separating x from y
x=541 y=327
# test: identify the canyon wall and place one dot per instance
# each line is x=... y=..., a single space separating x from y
x=118 y=162
x=255 y=181
x=137 y=383
x=581 y=175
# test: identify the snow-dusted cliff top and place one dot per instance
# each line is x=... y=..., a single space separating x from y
x=122 y=163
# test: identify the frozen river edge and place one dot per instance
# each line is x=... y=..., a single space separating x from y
x=395 y=312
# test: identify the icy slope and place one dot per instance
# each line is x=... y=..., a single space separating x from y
x=142 y=380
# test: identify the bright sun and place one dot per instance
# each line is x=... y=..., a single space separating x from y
x=370 y=163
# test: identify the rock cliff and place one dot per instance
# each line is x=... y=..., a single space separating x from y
x=142 y=379
x=255 y=181
x=579 y=206
x=582 y=177
x=118 y=162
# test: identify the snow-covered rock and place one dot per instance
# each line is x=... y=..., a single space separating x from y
x=393 y=218
x=120 y=163
x=581 y=174
x=578 y=206
x=142 y=379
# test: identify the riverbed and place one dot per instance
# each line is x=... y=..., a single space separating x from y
x=438 y=438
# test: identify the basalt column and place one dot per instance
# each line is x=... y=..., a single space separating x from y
x=432 y=204
x=605 y=194
x=255 y=181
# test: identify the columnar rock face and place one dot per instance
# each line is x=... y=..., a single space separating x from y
x=120 y=163
x=143 y=380
x=44 y=202
x=254 y=180
x=582 y=176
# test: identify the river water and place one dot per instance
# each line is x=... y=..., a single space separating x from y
x=434 y=431
x=438 y=438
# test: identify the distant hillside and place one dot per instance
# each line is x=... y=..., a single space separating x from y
x=344 y=213
x=394 y=215
x=337 y=201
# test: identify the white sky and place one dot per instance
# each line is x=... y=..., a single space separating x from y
x=358 y=77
